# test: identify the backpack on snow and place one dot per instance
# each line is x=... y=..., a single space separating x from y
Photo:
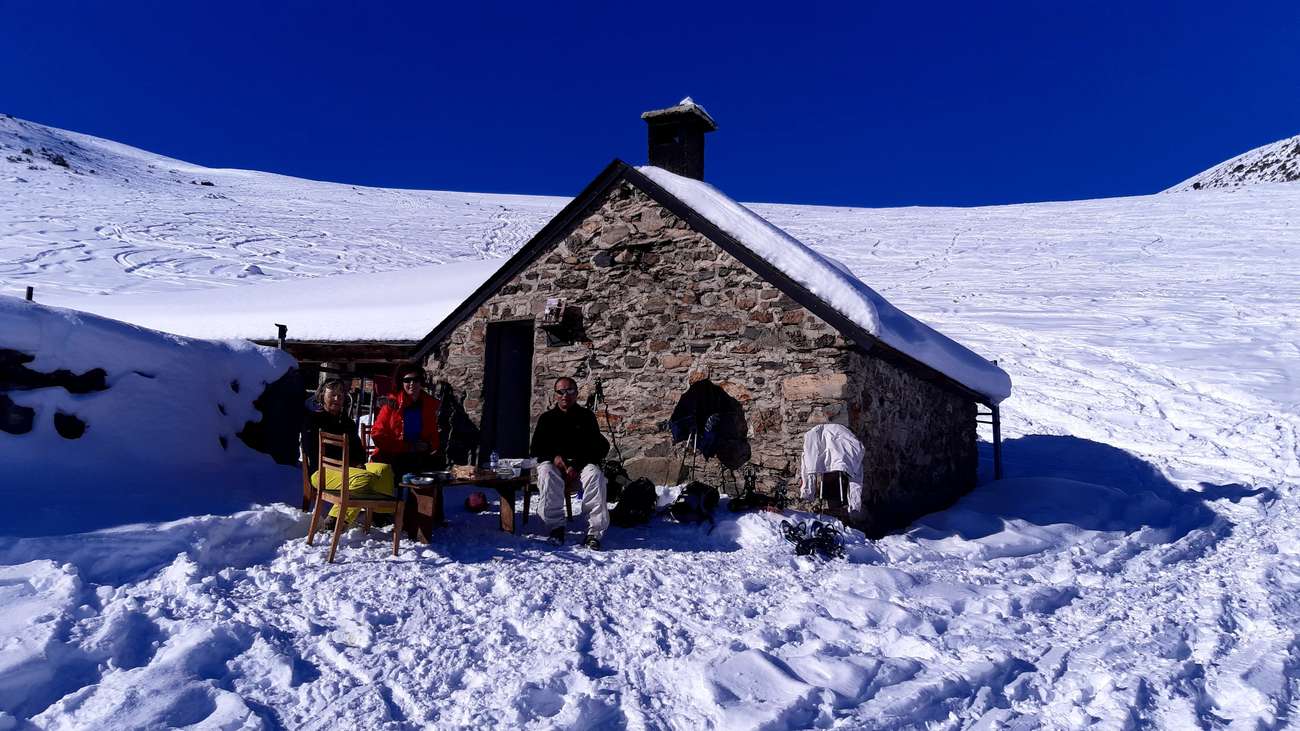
x=616 y=478
x=636 y=504
x=695 y=504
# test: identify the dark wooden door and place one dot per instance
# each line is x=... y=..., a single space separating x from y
x=507 y=388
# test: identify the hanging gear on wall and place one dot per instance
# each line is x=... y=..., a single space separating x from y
x=711 y=422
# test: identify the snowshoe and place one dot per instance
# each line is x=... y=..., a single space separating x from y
x=813 y=537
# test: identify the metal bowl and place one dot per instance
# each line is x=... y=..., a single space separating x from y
x=426 y=478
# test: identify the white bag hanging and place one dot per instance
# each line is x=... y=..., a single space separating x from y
x=831 y=448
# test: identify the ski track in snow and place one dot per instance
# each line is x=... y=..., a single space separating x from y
x=1153 y=346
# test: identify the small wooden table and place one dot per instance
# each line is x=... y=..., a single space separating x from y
x=424 y=503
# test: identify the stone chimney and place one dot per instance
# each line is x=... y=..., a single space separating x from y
x=677 y=137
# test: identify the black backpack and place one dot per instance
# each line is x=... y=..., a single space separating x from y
x=695 y=504
x=616 y=478
x=636 y=504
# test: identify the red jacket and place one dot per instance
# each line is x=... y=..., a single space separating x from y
x=389 y=430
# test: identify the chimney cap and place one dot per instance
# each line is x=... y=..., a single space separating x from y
x=685 y=107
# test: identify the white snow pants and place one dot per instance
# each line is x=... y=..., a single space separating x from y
x=550 y=498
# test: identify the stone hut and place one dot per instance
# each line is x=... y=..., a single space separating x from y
x=650 y=281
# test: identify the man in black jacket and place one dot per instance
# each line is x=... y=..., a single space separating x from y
x=569 y=447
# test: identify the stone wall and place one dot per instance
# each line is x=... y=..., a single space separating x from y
x=920 y=443
x=662 y=306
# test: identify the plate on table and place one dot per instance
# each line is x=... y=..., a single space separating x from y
x=423 y=479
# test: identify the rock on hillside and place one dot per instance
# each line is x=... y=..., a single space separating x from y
x=1277 y=162
x=35 y=151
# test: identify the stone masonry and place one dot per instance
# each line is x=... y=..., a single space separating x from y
x=663 y=306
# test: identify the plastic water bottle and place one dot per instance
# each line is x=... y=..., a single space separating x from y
x=493 y=460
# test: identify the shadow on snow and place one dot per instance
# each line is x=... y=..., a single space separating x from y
x=1054 y=480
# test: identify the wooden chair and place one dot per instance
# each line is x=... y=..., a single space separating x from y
x=344 y=497
x=571 y=488
x=365 y=439
x=308 y=492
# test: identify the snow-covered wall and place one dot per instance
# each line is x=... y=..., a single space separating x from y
x=104 y=423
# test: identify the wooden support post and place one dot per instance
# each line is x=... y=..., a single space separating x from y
x=997 y=442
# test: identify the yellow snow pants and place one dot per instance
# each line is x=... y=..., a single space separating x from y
x=374 y=480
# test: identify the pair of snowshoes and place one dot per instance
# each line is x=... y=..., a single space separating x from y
x=814 y=537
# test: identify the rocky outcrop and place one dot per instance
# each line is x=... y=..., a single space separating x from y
x=1277 y=162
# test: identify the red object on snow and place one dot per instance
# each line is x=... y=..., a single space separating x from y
x=477 y=502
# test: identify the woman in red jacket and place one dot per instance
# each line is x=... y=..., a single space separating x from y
x=406 y=430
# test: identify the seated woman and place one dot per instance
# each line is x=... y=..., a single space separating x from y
x=369 y=478
x=406 y=430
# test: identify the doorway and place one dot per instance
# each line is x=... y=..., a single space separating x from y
x=507 y=388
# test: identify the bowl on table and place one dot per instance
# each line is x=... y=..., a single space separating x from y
x=423 y=479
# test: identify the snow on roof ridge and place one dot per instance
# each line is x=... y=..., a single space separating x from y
x=687 y=104
x=837 y=286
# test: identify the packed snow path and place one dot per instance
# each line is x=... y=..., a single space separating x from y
x=1139 y=566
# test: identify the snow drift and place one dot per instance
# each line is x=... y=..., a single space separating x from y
x=154 y=436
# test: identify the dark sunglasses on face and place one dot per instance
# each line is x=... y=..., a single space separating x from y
x=412 y=379
x=565 y=391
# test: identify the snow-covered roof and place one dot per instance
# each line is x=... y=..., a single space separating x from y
x=834 y=284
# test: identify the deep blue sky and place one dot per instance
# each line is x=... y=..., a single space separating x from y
x=873 y=104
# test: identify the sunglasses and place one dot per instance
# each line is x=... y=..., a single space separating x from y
x=565 y=391
x=412 y=379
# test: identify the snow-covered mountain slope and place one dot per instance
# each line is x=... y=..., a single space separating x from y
x=112 y=218
x=1138 y=567
x=1276 y=162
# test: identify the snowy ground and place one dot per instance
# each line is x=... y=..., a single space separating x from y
x=1138 y=566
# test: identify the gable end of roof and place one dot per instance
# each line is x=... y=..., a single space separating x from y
x=618 y=171
x=550 y=233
